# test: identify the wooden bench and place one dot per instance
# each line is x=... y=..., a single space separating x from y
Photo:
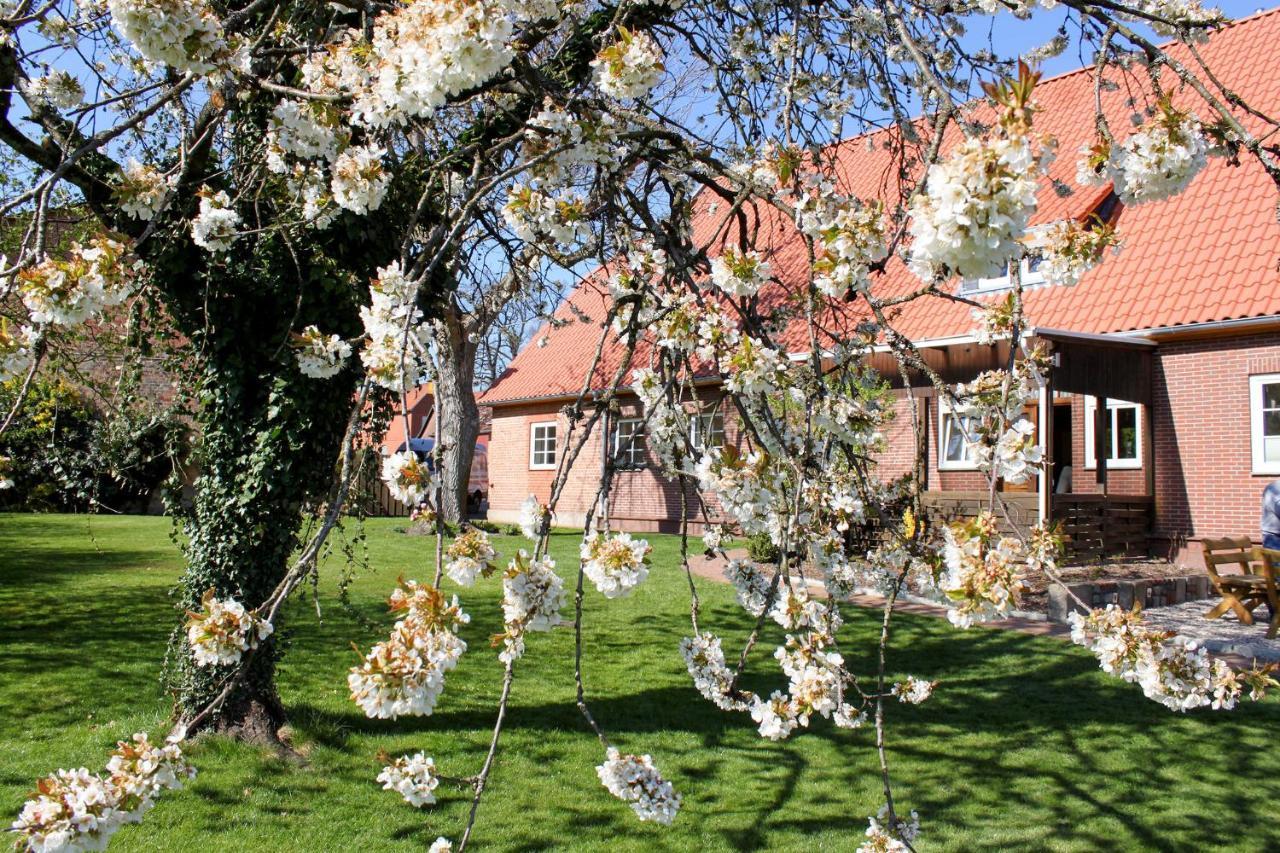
x=1256 y=583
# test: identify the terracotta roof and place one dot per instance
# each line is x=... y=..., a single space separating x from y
x=1208 y=254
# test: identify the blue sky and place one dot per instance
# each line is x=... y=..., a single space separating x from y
x=1012 y=35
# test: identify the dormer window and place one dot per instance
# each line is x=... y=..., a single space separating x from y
x=1032 y=273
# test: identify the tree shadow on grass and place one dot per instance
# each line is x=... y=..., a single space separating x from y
x=1020 y=724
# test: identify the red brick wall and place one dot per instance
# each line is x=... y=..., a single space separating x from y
x=899 y=454
x=1204 y=480
x=641 y=500
x=510 y=479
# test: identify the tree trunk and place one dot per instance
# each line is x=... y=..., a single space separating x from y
x=459 y=416
x=267 y=449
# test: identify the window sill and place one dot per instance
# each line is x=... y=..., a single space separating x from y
x=1126 y=465
x=957 y=466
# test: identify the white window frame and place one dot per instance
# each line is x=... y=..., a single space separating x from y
x=1030 y=277
x=1256 y=438
x=1090 y=418
x=697 y=430
x=967 y=464
x=625 y=459
x=533 y=445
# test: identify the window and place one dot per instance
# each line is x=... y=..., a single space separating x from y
x=953 y=452
x=630 y=449
x=1032 y=273
x=1264 y=420
x=542 y=445
x=1123 y=438
x=706 y=432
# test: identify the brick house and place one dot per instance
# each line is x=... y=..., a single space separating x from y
x=1161 y=415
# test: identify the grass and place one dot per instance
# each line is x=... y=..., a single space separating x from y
x=1025 y=745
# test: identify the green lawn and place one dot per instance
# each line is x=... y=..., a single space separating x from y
x=1025 y=745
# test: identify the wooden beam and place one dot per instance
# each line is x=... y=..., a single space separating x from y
x=1045 y=435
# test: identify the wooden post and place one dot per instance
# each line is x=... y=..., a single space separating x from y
x=1101 y=447
x=1046 y=442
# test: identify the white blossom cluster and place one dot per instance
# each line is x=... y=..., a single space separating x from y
x=559 y=143
x=997 y=433
x=885 y=838
x=404 y=675
x=68 y=291
x=469 y=556
x=303 y=129
x=754 y=367
x=183 y=34
x=615 y=564
x=750 y=584
x=747 y=487
x=17 y=349
x=409 y=480
x=667 y=431
x=60 y=89
x=975 y=208
x=739 y=273
x=223 y=631
x=848 y=236
x=913 y=691
x=704 y=658
x=1160 y=159
x=359 y=179
x=983 y=570
x=142 y=189
x=1072 y=248
x=532 y=597
x=531 y=518
x=645 y=266
x=214 y=227
x=391 y=357
x=538 y=217
x=320 y=356
x=630 y=67
x=78 y=810
x=419 y=55
x=1175 y=671
x=1182 y=19
x=634 y=779
x=412 y=777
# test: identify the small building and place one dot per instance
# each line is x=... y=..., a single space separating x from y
x=1161 y=413
x=416 y=421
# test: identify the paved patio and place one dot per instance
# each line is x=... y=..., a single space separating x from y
x=1225 y=636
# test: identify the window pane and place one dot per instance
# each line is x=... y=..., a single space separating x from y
x=1271 y=449
x=1271 y=395
x=1271 y=423
x=954 y=440
x=1127 y=434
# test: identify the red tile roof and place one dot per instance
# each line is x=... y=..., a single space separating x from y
x=1208 y=254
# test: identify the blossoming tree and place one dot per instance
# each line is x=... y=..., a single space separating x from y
x=298 y=185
